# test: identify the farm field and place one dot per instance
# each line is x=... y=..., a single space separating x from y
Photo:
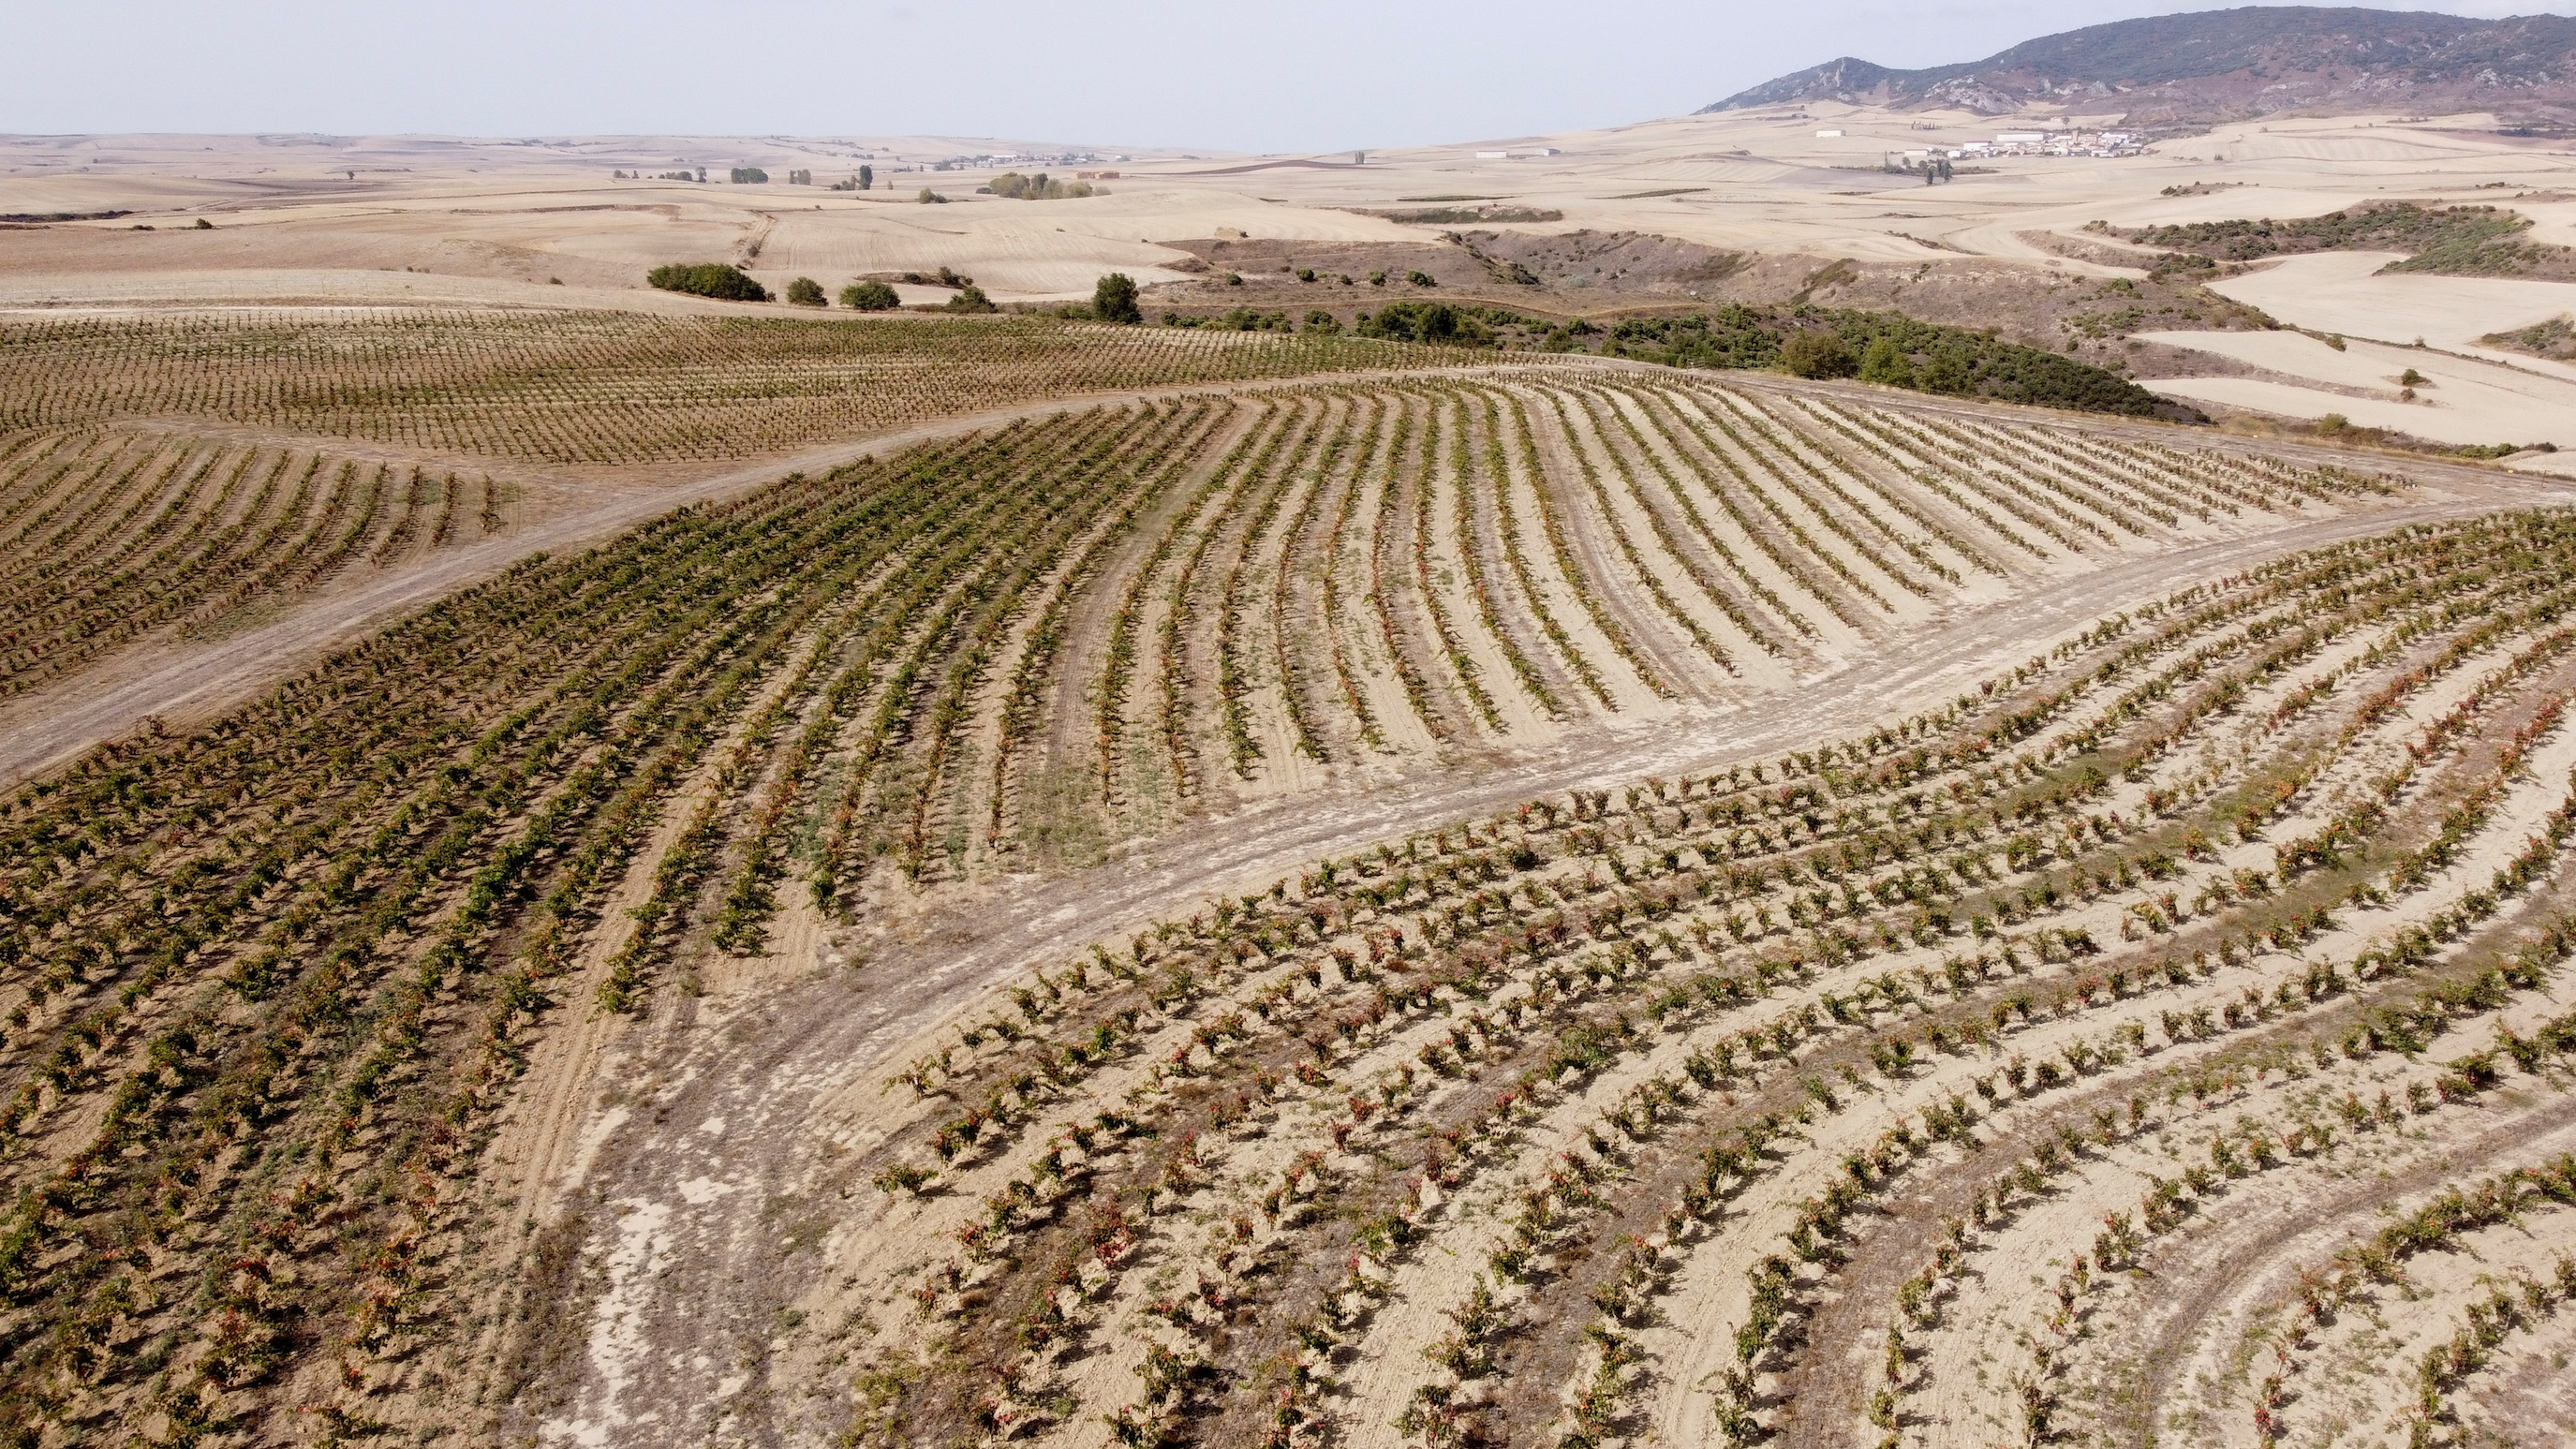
x=604 y=388
x=668 y=955
x=206 y=500
x=112 y=534
x=1761 y=205
x=588 y=867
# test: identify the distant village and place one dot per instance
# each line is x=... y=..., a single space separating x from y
x=2027 y=143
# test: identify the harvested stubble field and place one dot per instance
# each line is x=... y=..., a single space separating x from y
x=738 y=977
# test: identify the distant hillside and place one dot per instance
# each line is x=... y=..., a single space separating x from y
x=2226 y=64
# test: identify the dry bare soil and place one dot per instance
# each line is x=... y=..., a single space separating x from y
x=934 y=882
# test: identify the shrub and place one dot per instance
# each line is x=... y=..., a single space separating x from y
x=1928 y=357
x=1882 y=363
x=1425 y=322
x=971 y=298
x=1114 y=299
x=869 y=297
x=805 y=292
x=1420 y=279
x=1816 y=354
x=1322 y=322
x=929 y=197
x=708 y=279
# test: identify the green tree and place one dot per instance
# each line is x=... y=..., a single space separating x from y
x=1881 y=362
x=1816 y=354
x=805 y=292
x=708 y=279
x=1114 y=299
x=867 y=177
x=1946 y=370
x=1426 y=322
x=869 y=297
x=971 y=299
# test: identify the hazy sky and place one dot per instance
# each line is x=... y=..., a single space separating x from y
x=1279 y=77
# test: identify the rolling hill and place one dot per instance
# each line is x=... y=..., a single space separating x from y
x=2227 y=64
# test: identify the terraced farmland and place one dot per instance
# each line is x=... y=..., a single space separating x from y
x=602 y=997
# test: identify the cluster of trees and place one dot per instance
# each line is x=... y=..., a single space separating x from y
x=1888 y=348
x=749 y=176
x=1434 y=322
x=720 y=280
x=866 y=179
x=2456 y=240
x=1427 y=322
x=1934 y=169
x=1041 y=187
x=2392 y=226
x=1241 y=319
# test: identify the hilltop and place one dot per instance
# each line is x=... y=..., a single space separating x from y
x=2229 y=64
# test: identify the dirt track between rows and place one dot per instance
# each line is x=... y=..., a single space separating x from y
x=749 y=1090
x=181 y=684
x=2212 y=1270
x=704 y=1140
x=184 y=683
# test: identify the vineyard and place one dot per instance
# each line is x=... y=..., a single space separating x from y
x=2184 y=997
x=109 y=537
x=591 y=388
x=2012 y=1073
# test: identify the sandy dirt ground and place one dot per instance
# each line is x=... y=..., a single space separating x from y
x=2465 y=399
x=180 y=680
x=695 y=1158
x=759 y=1089
x=420 y=220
